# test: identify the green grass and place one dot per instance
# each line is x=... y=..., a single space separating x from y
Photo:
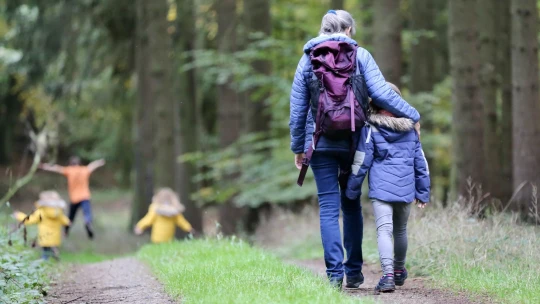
x=496 y=257
x=231 y=271
x=84 y=257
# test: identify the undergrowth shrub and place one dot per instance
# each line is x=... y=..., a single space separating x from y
x=23 y=276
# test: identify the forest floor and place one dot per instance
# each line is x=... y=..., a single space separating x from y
x=415 y=290
x=103 y=271
x=121 y=280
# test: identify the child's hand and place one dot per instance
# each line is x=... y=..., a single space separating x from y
x=137 y=231
x=420 y=204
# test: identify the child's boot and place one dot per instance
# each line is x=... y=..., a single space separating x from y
x=386 y=284
x=400 y=275
x=89 y=230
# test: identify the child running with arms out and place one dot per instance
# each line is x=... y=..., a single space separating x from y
x=50 y=218
x=164 y=214
x=390 y=150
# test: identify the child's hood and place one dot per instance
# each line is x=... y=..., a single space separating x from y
x=166 y=210
x=391 y=128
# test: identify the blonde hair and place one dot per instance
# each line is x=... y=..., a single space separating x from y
x=167 y=201
x=337 y=22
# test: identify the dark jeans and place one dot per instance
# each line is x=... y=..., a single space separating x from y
x=87 y=212
x=325 y=166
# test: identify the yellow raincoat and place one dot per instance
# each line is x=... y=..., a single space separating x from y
x=163 y=223
x=50 y=221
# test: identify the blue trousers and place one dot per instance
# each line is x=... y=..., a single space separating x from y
x=325 y=166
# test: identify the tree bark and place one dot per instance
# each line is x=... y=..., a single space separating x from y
x=467 y=116
x=144 y=120
x=258 y=20
x=229 y=115
x=505 y=123
x=525 y=97
x=160 y=48
x=387 y=27
x=488 y=34
x=422 y=65
x=188 y=135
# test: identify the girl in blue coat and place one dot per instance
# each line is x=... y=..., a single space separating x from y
x=331 y=155
x=390 y=150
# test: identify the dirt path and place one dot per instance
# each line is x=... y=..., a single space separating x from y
x=124 y=280
x=414 y=290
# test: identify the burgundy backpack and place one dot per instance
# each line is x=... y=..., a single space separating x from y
x=339 y=98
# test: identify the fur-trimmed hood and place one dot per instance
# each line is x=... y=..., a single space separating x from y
x=391 y=128
x=398 y=124
x=50 y=199
x=167 y=203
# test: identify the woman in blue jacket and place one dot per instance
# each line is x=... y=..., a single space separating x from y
x=331 y=155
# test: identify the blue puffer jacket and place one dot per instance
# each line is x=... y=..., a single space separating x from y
x=301 y=124
x=390 y=150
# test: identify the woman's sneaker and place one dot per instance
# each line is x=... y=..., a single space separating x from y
x=400 y=275
x=336 y=283
x=386 y=284
x=355 y=282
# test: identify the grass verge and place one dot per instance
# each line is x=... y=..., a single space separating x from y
x=495 y=257
x=231 y=271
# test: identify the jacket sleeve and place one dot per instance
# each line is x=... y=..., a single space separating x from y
x=310 y=129
x=380 y=92
x=65 y=220
x=299 y=106
x=421 y=174
x=32 y=219
x=147 y=220
x=183 y=223
x=363 y=159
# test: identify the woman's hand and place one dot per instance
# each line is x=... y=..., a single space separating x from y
x=298 y=158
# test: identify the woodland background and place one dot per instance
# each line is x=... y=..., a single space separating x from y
x=194 y=95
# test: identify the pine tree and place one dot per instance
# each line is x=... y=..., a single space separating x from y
x=488 y=34
x=467 y=116
x=525 y=98
x=387 y=50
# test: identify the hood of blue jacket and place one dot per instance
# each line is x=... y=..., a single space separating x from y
x=391 y=128
x=323 y=38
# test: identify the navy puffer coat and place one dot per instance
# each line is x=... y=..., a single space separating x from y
x=390 y=151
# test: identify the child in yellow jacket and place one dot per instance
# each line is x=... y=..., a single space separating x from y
x=164 y=214
x=49 y=217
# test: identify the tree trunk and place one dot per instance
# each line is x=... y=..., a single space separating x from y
x=422 y=65
x=229 y=115
x=467 y=116
x=188 y=135
x=387 y=27
x=505 y=122
x=258 y=20
x=488 y=34
x=160 y=48
x=525 y=97
x=335 y=5
x=144 y=119
x=366 y=20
